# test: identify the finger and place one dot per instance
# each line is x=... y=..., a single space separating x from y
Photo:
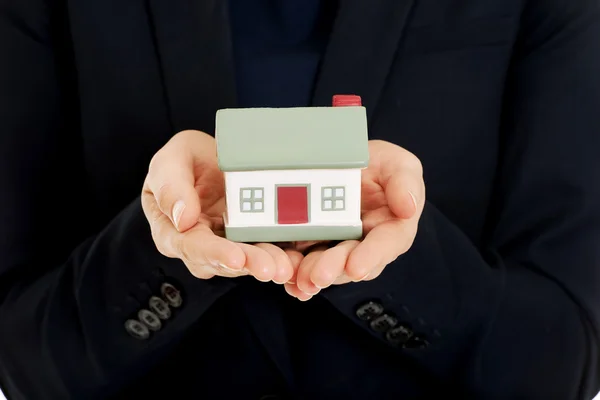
x=375 y=273
x=331 y=264
x=342 y=280
x=203 y=253
x=380 y=247
x=201 y=272
x=290 y=287
x=171 y=177
x=296 y=259
x=259 y=263
x=296 y=266
x=228 y=273
x=303 y=280
x=208 y=272
x=293 y=291
x=201 y=247
x=283 y=265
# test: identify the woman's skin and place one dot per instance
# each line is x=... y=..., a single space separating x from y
x=184 y=200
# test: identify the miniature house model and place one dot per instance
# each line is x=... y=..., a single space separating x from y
x=293 y=174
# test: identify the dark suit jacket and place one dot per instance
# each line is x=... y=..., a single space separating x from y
x=499 y=298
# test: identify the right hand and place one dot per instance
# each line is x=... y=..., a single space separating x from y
x=184 y=200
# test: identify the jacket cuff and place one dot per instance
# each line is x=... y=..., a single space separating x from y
x=161 y=298
x=422 y=303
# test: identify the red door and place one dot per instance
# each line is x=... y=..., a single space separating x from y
x=292 y=204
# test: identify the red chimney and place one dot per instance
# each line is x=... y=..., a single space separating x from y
x=346 y=100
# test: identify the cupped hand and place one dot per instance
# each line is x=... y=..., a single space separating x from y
x=184 y=200
x=392 y=200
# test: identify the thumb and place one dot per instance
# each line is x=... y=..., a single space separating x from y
x=171 y=181
x=180 y=202
x=402 y=192
x=400 y=174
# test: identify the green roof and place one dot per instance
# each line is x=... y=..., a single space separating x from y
x=292 y=138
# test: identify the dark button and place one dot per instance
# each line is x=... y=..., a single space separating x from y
x=384 y=323
x=160 y=307
x=150 y=319
x=270 y=397
x=171 y=295
x=399 y=335
x=416 y=342
x=136 y=329
x=369 y=311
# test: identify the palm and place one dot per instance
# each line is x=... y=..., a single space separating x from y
x=391 y=171
x=390 y=187
x=210 y=187
x=374 y=204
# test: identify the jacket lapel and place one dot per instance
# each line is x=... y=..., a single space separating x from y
x=194 y=47
x=361 y=50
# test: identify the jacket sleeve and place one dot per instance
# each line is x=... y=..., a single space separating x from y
x=66 y=293
x=517 y=317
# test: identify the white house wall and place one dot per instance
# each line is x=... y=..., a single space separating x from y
x=316 y=179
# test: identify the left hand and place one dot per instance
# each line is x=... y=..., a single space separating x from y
x=393 y=196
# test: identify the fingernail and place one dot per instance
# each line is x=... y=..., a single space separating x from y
x=178 y=212
x=228 y=268
x=414 y=199
x=280 y=282
x=309 y=297
x=322 y=287
x=363 y=278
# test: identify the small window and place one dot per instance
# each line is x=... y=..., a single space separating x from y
x=333 y=198
x=251 y=200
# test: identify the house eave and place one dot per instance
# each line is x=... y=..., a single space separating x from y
x=283 y=167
